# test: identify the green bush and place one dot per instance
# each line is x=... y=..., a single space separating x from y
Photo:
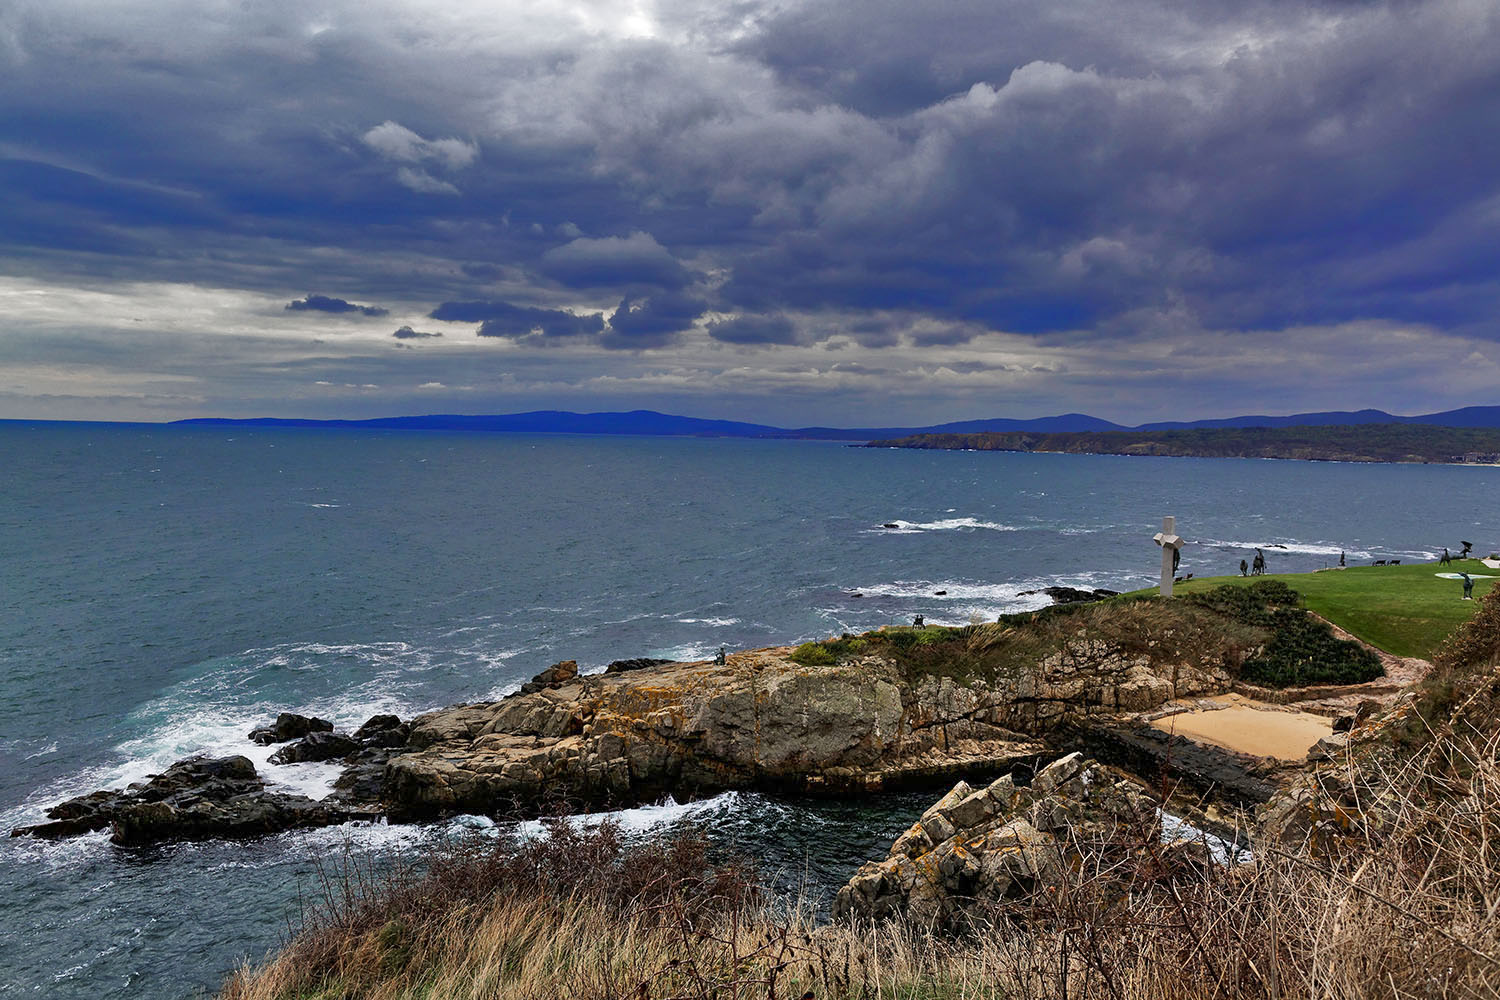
x=1302 y=650
x=828 y=652
x=814 y=654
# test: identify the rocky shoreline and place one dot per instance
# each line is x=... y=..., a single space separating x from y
x=643 y=730
x=1040 y=725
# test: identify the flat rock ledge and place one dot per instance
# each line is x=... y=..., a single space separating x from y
x=976 y=849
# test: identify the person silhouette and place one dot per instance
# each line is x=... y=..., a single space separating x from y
x=1468 y=587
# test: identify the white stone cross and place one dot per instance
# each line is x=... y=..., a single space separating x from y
x=1170 y=542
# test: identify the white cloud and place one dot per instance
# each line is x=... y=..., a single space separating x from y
x=423 y=182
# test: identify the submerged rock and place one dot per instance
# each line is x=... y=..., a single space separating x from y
x=1072 y=595
x=194 y=799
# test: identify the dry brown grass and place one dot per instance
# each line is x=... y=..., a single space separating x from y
x=1418 y=915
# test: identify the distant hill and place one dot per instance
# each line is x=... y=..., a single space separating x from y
x=1386 y=442
x=1469 y=416
x=650 y=422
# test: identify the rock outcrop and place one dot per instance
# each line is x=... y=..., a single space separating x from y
x=194 y=799
x=763 y=720
x=636 y=663
x=553 y=676
x=977 y=848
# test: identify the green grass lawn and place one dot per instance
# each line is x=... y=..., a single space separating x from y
x=1407 y=610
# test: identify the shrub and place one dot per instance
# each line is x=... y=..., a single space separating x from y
x=813 y=654
x=829 y=651
x=1301 y=649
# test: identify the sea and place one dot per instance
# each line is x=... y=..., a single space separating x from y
x=165 y=589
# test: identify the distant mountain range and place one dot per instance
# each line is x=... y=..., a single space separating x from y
x=649 y=422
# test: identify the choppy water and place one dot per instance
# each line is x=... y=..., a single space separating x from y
x=163 y=590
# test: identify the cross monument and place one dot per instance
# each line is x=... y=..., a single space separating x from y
x=1170 y=542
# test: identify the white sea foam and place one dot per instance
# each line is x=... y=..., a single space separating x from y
x=958 y=602
x=953 y=590
x=1300 y=548
x=207 y=716
x=686 y=653
x=1175 y=829
x=961 y=602
x=50 y=748
x=715 y=622
x=642 y=819
x=947 y=524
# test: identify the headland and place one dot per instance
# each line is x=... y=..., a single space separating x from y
x=1421 y=443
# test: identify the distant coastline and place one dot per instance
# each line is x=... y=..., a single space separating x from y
x=1406 y=443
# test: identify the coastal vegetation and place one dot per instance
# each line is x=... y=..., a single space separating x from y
x=1345 y=443
x=1301 y=649
x=1407 y=610
x=1261 y=627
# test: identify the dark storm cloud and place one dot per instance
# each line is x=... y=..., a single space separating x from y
x=637 y=259
x=323 y=303
x=652 y=321
x=754 y=330
x=407 y=333
x=1111 y=170
x=504 y=319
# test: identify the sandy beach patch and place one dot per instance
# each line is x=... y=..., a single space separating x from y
x=1241 y=727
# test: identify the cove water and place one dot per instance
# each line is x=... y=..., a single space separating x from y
x=165 y=589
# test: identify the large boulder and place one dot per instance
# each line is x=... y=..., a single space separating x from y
x=975 y=848
x=383 y=731
x=315 y=747
x=289 y=726
x=553 y=676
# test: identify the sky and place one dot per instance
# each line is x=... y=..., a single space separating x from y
x=820 y=212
